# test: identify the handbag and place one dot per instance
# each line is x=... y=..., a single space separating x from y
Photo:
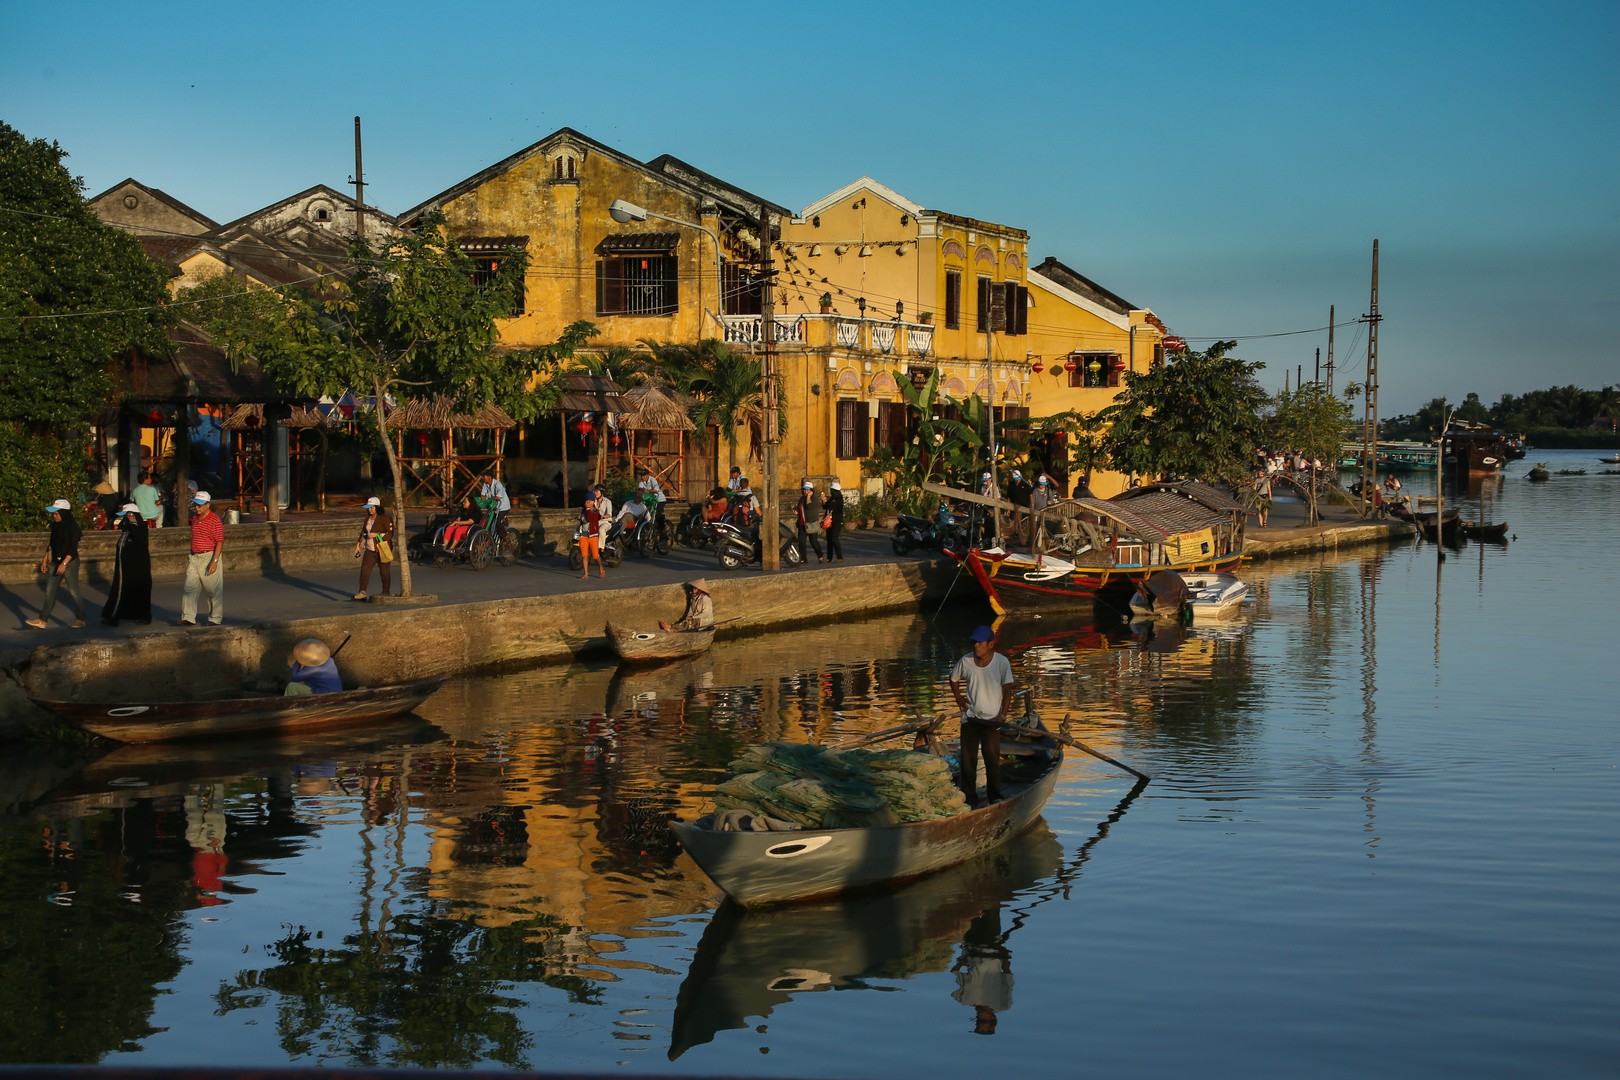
x=385 y=551
x=826 y=521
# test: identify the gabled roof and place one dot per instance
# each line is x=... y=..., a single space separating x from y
x=864 y=183
x=172 y=202
x=1077 y=282
x=318 y=189
x=670 y=171
x=712 y=185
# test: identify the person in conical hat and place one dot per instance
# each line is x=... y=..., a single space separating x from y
x=699 y=609
x=313 y=669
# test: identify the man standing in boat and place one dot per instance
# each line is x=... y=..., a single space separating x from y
x=988 y=678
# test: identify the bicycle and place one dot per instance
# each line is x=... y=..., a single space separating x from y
x=482 y=545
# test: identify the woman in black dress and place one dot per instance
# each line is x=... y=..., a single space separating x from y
x=835 y=528
x=131 y=594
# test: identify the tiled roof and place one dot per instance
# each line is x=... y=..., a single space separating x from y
x=1210 y=497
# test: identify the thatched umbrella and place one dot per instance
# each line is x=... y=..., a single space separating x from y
x=440 y=414
x=659 y=408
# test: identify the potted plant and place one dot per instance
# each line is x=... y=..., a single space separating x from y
x=826 y=303
x=926 y=317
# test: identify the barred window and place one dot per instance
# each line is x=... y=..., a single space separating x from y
x=638 y=285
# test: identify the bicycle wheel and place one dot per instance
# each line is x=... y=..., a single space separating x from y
x=482 y=551
x=663 y=543
x=509 y=550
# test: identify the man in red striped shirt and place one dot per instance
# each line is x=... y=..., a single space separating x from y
x=205 y=572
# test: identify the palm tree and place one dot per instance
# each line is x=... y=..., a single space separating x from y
x=1608 y=407
x=726 y=385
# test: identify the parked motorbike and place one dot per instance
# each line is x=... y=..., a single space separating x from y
x=739 y=545
x=915 y=532
x=612 y=547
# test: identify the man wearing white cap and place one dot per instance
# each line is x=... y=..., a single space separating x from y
x=61 y=564
x=205 y=570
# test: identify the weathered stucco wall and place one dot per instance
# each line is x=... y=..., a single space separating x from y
x=400 y=644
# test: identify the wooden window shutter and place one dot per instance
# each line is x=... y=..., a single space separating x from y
x=984 y=304
x=601 y=295
x=998 y=306
x=1020 y=308
x=863 y=430
x=953 y=300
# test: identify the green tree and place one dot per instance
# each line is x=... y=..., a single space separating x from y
x=73 y=293
x=414 y=321
x=727 y=385
x=1311 y=419
x=1196 y=416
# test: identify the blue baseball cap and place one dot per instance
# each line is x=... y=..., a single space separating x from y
x=983 y=633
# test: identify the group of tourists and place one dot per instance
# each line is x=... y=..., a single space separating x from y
x=130 y=595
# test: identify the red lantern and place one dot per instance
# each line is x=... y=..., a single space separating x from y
x=1069 y=364
x=583 y=427
x=1174 y=344
x=615 y=439
x=1119 y=365
x=1037 y=367
x=1062 y=436
x=156 y=416
x=421 y=438
x=251 y=421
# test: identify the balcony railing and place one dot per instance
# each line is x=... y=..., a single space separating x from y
x=888 y=337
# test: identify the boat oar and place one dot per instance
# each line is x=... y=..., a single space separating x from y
x=889 y=733
x=342 y=643
x=1069 y=740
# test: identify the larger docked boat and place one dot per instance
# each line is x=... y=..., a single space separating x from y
x=1392 y=456
x=1474 y=448
x=1105 y=546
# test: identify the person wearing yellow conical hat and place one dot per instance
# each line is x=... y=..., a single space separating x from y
x=699 y=608
x=313 y=669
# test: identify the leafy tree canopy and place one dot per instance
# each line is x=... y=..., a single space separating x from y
x=1197 y=416
x=73 y=291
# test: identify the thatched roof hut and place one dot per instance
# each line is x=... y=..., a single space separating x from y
x=593 y=393
x=658 y=407
x=440 y=414
x=250 y=417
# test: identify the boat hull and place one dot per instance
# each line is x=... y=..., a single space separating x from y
x=1080 y=590
x=160 y=721
x=761 y=869
x=650 y=647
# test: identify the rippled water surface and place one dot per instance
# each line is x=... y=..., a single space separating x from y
x=1381 y=840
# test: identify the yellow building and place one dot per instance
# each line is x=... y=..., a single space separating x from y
x=913 y=290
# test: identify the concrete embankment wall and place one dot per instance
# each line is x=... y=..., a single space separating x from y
x=261 y=548
x=398 y=644
x=1330 y=538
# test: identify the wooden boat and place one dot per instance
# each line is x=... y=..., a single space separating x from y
x=750 y=963
x=653 y=646
x=1475 y=530
x=1426 y=522
x=1166 y=596
x=1183 y=527
x=1214 y=595
x=757 y=869
x=1538 y=474
x=157 y=721
x=1609 y=460
x=1473 y=448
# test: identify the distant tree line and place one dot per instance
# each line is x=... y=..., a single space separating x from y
x=1557 y=416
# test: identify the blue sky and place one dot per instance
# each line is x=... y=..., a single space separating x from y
x=1226 y=165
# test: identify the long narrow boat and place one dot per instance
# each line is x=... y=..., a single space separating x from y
x=757 y=869
x=157 y=721
x=1475 y=530
x=652 y=646
x=1426 y=521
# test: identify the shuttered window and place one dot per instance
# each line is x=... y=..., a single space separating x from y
x=891 y=427
x=983 y=311
x=953 y=300
x=637 y=285
x=854 y=430
x=1017 y=308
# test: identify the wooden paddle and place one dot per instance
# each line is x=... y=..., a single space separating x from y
x=1069 y=740
x=889 y=733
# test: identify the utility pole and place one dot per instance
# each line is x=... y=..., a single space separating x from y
x=1330 y=349
x=1317 y=378
x=1369 y=437
x=359 y=186
x=770 y=528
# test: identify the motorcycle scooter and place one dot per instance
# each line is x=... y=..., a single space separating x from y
x=738 y=545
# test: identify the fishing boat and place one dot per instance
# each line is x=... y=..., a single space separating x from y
x=159 y=721
x=1214 y=595
x=655 y=646
x=1103 y=547
x=1473 y=448
x=758 y=869
x=1426 y=522
x=1615 y=460
x=1475 y=530
x=1538 y=474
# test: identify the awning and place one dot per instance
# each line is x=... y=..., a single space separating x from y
x=658 y=243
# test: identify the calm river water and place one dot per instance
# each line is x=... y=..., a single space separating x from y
x=1381 y=840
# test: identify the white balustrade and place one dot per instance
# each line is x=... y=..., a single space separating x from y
x=750 y=329
x=919 y=339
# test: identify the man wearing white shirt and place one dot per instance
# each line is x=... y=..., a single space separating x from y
x=494 y=489
x=988 y=679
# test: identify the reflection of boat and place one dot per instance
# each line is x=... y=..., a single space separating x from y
x=653 y=646
x=751 y=962
x=760 y=868
x=1185 y=527
x=1476 y=531
x=139 y=722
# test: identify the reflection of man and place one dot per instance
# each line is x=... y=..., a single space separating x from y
x=984 y=972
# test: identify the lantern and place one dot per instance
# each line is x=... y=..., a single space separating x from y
x=1062 y=436
x=1037 y=367
x=615 y=439
x=583 y=427
x=1095 y=366
x=1174 y=344
x=1069 y=364
x=1118 y=364
x=421 y=438
x=251 y=421
x=156 y=416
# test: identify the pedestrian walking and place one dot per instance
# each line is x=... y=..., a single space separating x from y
x=832 y=520
x=592 y=524
x=60 y=564
x=205 y=569
x=375 y=547
x=130 y=596
x=1262 y=496
x=810 y=511
x=149 y=501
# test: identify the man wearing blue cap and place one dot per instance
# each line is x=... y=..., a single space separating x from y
x=989 y=680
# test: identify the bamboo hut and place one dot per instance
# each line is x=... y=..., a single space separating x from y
x=436 y=467
x=659 y=431
x=246 y=427
x=589 y=394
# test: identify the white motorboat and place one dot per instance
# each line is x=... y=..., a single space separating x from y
x=1214 y=595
